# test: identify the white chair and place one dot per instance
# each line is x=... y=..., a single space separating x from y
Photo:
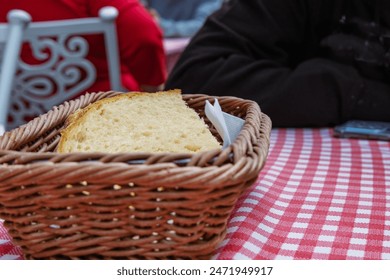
x=63 y=69
x=11 y=35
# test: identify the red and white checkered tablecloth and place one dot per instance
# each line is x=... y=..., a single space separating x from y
x=318 y=197
x=8 y=251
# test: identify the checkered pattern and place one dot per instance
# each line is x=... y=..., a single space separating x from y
x=7 y=250
x=318 y=197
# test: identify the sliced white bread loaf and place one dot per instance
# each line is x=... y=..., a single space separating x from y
x=137 y=122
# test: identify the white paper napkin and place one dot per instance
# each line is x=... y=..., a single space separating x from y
x=228 y=126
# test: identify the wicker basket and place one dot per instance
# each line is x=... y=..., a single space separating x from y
x=126 y=205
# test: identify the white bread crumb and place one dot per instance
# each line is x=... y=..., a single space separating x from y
x=137 y=122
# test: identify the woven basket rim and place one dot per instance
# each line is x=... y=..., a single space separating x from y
x=44 y=122
x=243 y=158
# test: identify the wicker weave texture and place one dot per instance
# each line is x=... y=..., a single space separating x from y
x=125 y=205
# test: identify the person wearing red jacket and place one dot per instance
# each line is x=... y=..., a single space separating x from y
x=142 y=56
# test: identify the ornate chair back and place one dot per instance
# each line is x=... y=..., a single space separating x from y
x=62 y=68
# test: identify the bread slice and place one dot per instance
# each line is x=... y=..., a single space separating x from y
x=137 y=122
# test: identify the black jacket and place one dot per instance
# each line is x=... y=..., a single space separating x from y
x=306 y=62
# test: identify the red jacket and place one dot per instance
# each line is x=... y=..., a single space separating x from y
x=140 y=40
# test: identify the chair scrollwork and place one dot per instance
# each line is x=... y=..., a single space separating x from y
x=58 y=67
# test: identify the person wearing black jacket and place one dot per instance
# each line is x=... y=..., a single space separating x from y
x=306 y=62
